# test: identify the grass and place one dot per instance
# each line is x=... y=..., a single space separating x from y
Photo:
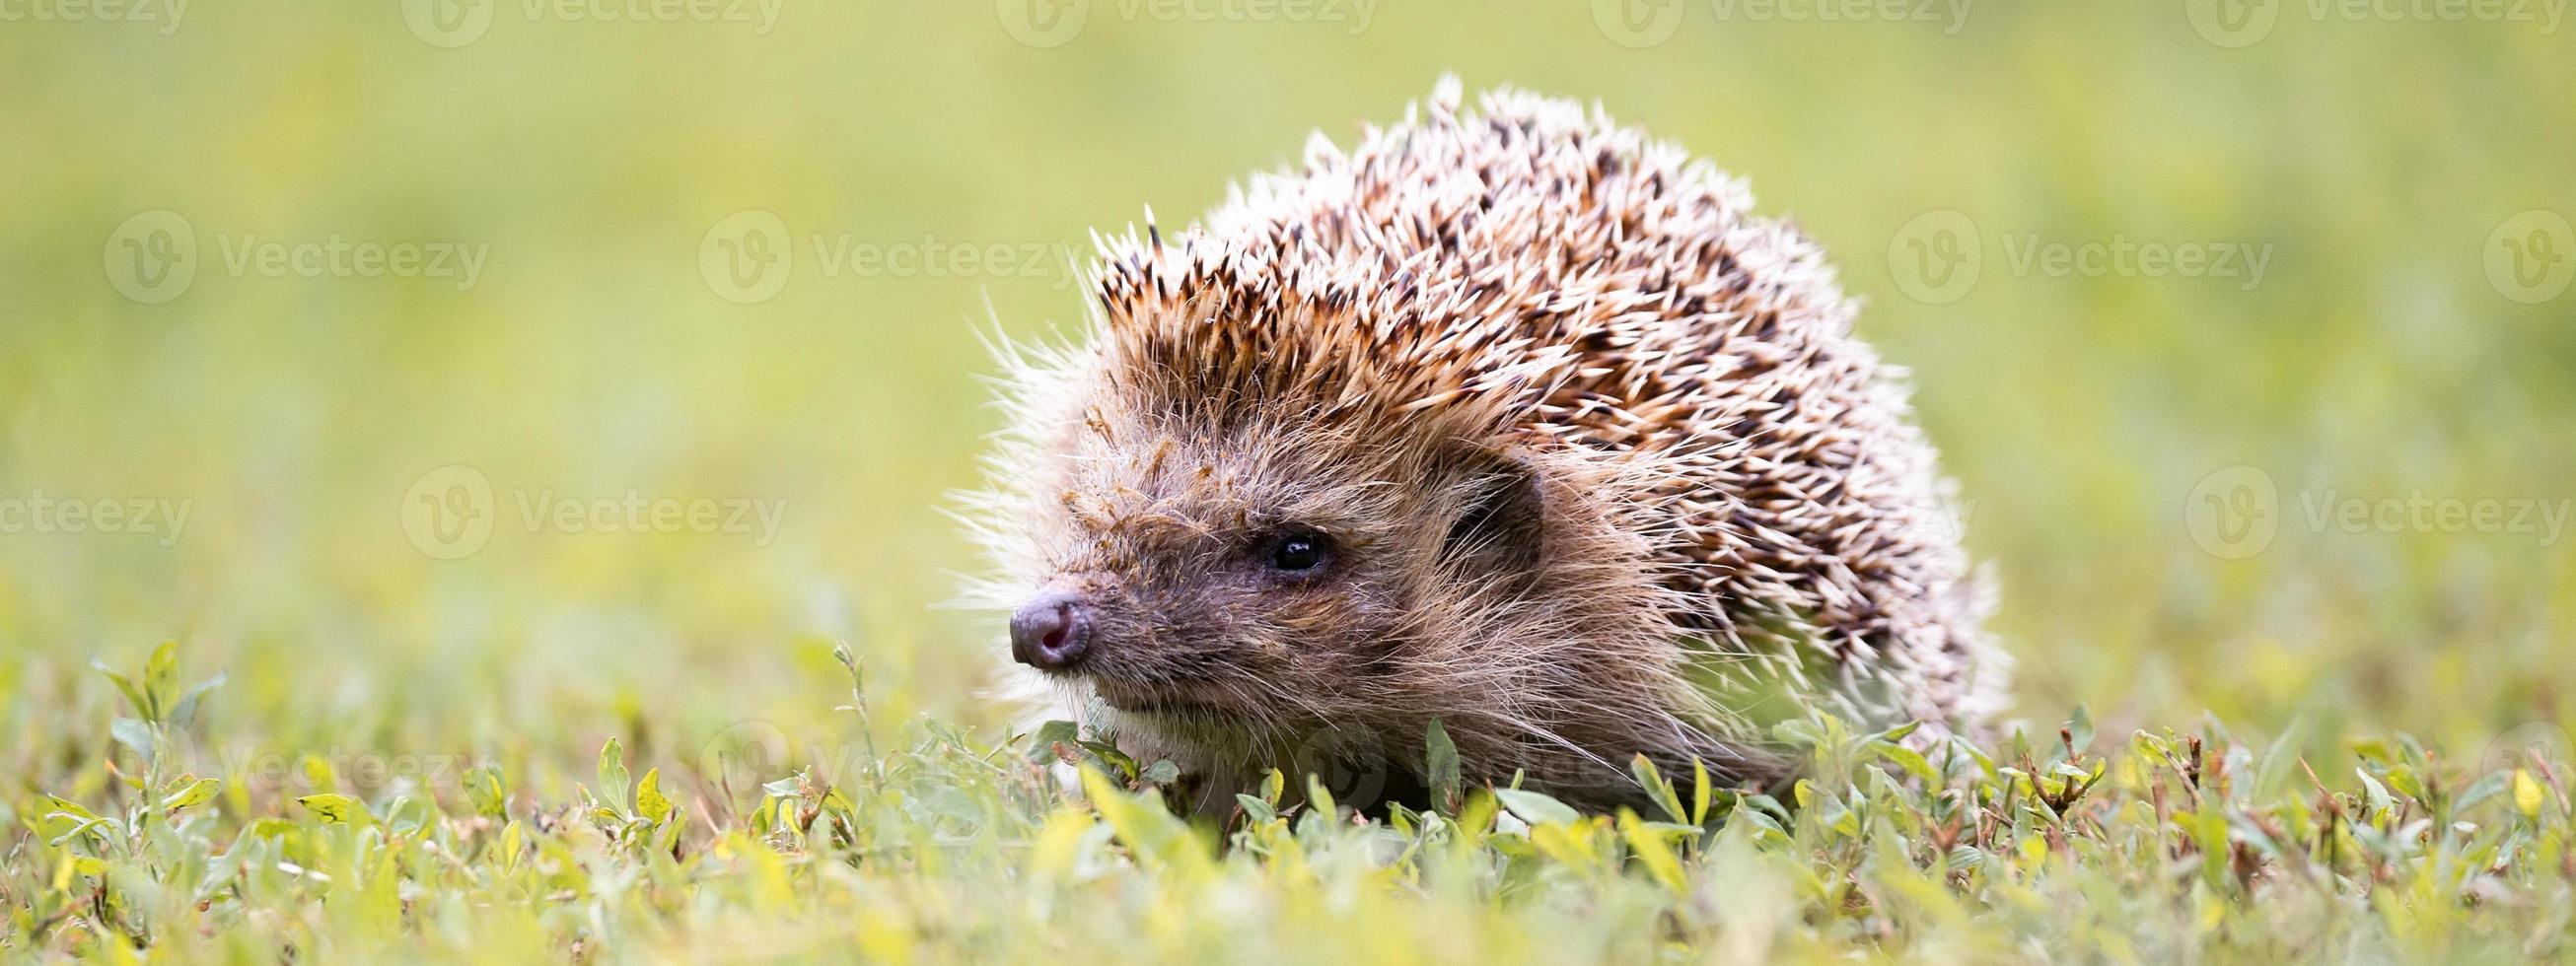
x=2166 y=846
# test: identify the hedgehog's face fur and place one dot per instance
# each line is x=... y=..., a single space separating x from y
x=1269 y=581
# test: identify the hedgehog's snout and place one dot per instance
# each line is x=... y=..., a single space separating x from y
x=1052 y=631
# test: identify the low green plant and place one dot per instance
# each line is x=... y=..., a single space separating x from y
x=2170 y=845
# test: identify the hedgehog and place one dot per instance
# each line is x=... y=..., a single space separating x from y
x=1510 y=420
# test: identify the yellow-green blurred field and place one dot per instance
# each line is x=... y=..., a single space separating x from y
x=2244 y=327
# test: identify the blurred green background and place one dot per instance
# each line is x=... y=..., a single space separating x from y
x=2405 y=181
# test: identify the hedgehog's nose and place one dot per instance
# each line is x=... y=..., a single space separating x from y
x=1052 y=631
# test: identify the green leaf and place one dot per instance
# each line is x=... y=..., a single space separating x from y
x=1141 y=822
x=69 y=807
x=1895 y=735
x=1910 y=760
x=1109 y=755
x=2379 y=801
x=1653 y=850
x=510 y=846
x=1440 y=765
x=2275 y=770
x=1317 y=797
x=196 y=793
x=1657 y=788
x=2486 y=787
x=332 y=808
x=136 y=735
x=486 y=791
x=161 y=676
x=648 y=797
x=2404 y=781
x=1536 y=808
x=613 y=780
x=61 y=827
x=133 y=695
x=1257 y=811
x=186 y=710
x=1701 y=796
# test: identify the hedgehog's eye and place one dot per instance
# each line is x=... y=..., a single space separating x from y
x=1297 y=552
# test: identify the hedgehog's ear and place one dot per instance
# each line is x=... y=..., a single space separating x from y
x=1502 y=521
